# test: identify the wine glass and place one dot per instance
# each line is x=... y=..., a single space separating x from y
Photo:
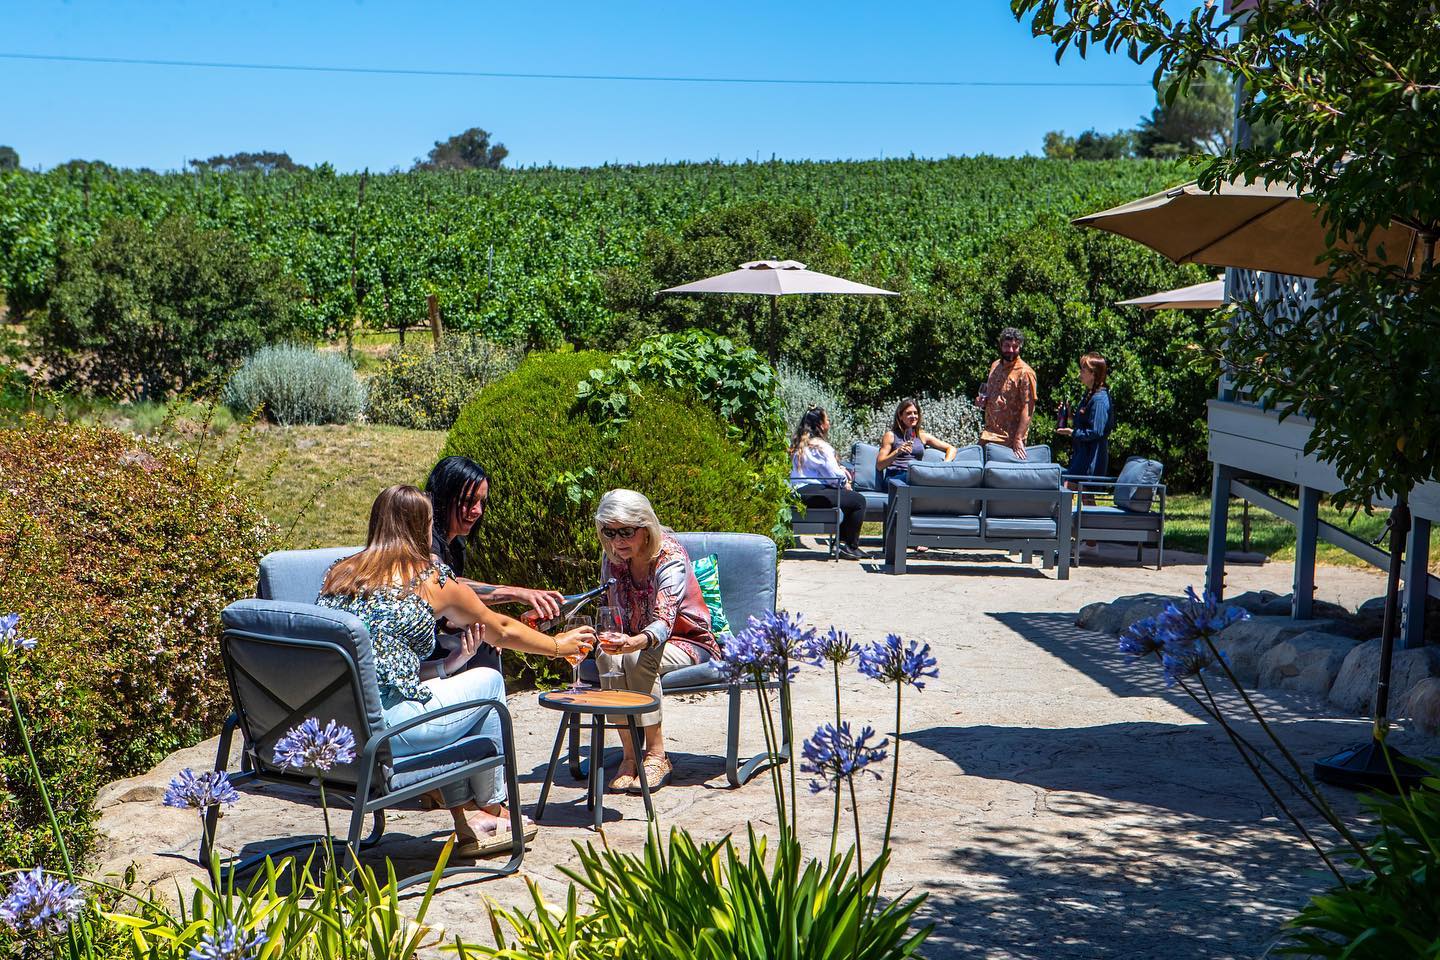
x=610 y=633
x=578 y=620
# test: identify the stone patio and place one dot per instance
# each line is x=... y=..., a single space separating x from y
x=1056 y=801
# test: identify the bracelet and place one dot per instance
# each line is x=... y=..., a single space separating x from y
x=440 y=670
x=556 y=641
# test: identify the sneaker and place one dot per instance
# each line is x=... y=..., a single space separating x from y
x=852 y=553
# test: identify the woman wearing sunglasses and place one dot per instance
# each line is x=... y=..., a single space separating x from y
x=664 y=626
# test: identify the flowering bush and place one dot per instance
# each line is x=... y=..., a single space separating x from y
x=424 y=389
x=118 y=555
x=951 y=417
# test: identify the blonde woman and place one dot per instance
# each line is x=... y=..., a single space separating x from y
x=399 y=591
x=664 y=623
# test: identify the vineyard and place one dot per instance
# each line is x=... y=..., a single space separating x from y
x=519 y=254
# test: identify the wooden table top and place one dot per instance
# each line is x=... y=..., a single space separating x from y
x=599 y=701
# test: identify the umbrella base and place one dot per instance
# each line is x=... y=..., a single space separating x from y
x=1365 y=767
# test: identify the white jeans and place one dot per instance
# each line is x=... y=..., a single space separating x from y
x=479 y=683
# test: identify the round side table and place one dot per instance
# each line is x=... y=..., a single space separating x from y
x=597 y=704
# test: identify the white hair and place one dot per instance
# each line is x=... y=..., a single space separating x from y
x=631 y=509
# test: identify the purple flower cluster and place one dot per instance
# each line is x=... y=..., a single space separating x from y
x=229 y=943
x=769 y=647
x=10 y=639
x=37 y=903
x=1181 y=635
x=832 y=646
x=200 y=793
x=893 y=661
x=835 y=754
x=318 y=748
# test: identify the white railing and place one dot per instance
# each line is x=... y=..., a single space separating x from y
x=1287 y=298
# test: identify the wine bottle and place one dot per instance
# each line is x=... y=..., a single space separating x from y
x=570 y=605
x=1064 y=414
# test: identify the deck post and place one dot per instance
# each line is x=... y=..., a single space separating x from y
x=1220 y=480
x=1307 y=535
x=1416 y=574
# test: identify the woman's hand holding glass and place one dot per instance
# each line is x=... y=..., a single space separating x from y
x=575 y=644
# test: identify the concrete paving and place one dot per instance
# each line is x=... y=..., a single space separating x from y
x=1055 y=800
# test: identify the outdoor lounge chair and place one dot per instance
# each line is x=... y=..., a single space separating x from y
x=287 y=661
x=821 y=520
x=1125 y=509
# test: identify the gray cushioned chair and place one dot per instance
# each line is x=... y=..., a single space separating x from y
x=287 y=661
x=814 y=519
x=1128 y=509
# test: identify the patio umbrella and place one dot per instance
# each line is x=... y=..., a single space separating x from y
x=1260 y=226
x=776 y=279
x=1270 y=227
x=1198 y=296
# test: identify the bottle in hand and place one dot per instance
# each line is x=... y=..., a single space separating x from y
x=570 y=605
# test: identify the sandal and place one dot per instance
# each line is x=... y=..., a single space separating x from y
x=657 y=773
x=624 y=780
x=497 y=841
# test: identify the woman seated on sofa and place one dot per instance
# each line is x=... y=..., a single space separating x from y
x=664 y=622
x=815 y=473
x=905 y=442
x=399 y=591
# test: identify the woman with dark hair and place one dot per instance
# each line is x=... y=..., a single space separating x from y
x=1093 y=421
x=815 y=473
x=399 y=590
x=905 y=442
x=458 y=488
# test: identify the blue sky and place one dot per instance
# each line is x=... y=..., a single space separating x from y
x=158 y=116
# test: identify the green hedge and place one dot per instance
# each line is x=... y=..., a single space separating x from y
x=118 y=556
x=549 y=464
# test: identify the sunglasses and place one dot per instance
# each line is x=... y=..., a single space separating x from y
x=618 y=533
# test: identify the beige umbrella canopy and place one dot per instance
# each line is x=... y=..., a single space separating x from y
x=1198 y=296
x=776 y=279
x=1260 y=226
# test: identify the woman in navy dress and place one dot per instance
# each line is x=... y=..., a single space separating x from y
x=1094 y=419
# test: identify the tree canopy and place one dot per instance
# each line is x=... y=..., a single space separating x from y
x=471 y=150
x=9 y=159
x=263 y=161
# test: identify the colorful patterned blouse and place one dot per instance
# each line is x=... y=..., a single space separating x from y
x=402 y=631
x=669 y=605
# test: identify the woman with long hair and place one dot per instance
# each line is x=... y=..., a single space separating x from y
x=399 y=591
x=1094 y=419
x=905 y=442
x=815 y=473
x=664 y=622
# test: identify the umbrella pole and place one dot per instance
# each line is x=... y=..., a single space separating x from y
x=774 y=331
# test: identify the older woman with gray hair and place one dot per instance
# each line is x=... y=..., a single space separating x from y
x=664 y=622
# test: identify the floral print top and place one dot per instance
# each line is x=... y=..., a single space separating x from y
x=668 y=605
x=402 y=631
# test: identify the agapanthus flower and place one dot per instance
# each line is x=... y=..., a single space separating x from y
x=10 y=638
x=310 y=745
x=40 y=903
x=832 y=646
x=835 y=754
x=769 y=646
x=229 y=943
x=200 y=793
x=1196 y=617
x=1142 y=638
x=893 y=661
x=1183 y=661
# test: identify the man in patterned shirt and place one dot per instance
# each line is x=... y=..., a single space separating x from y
x=1008 y=396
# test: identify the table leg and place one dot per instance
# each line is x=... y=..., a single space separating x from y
x=639 y=742
x=554 y=765
x=577 y=770
x=597 y=768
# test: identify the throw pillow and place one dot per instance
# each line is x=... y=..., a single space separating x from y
x=707 y=571
x=1133 y=488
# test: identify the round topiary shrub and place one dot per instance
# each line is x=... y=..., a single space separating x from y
x=423 y=388
x=293 y=384
x=118 y=555
x=549 y=463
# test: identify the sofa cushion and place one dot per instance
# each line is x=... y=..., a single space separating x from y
x=1130 y=490
x=933 y=455
x=999 y=453
x=937 y=525
x=1097 y=517
x=863 y=457
x=1022 y=476
x=696 y=675
x=747 y=571
x=972 y=453
x=930 y=479
x=413 y=768
x=1020 y=528
x=875 y=502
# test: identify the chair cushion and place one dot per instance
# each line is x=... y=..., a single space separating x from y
x=1020 y=528
x=296 y=575
x=707 y=572
x=934 y=483
x=863 y=456
x=409 y=770
x=1022 y=476
x=875 y=502
x=1130 y=494
x=288 y=651
x=696 y=675
x=747 y=571
x=999 y=453
x=1096 y=517
x=933 y=525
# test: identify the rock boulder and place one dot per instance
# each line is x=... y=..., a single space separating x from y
x=1307 y=662
x=1354 y=687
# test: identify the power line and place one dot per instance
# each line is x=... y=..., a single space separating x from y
x=625 y=78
